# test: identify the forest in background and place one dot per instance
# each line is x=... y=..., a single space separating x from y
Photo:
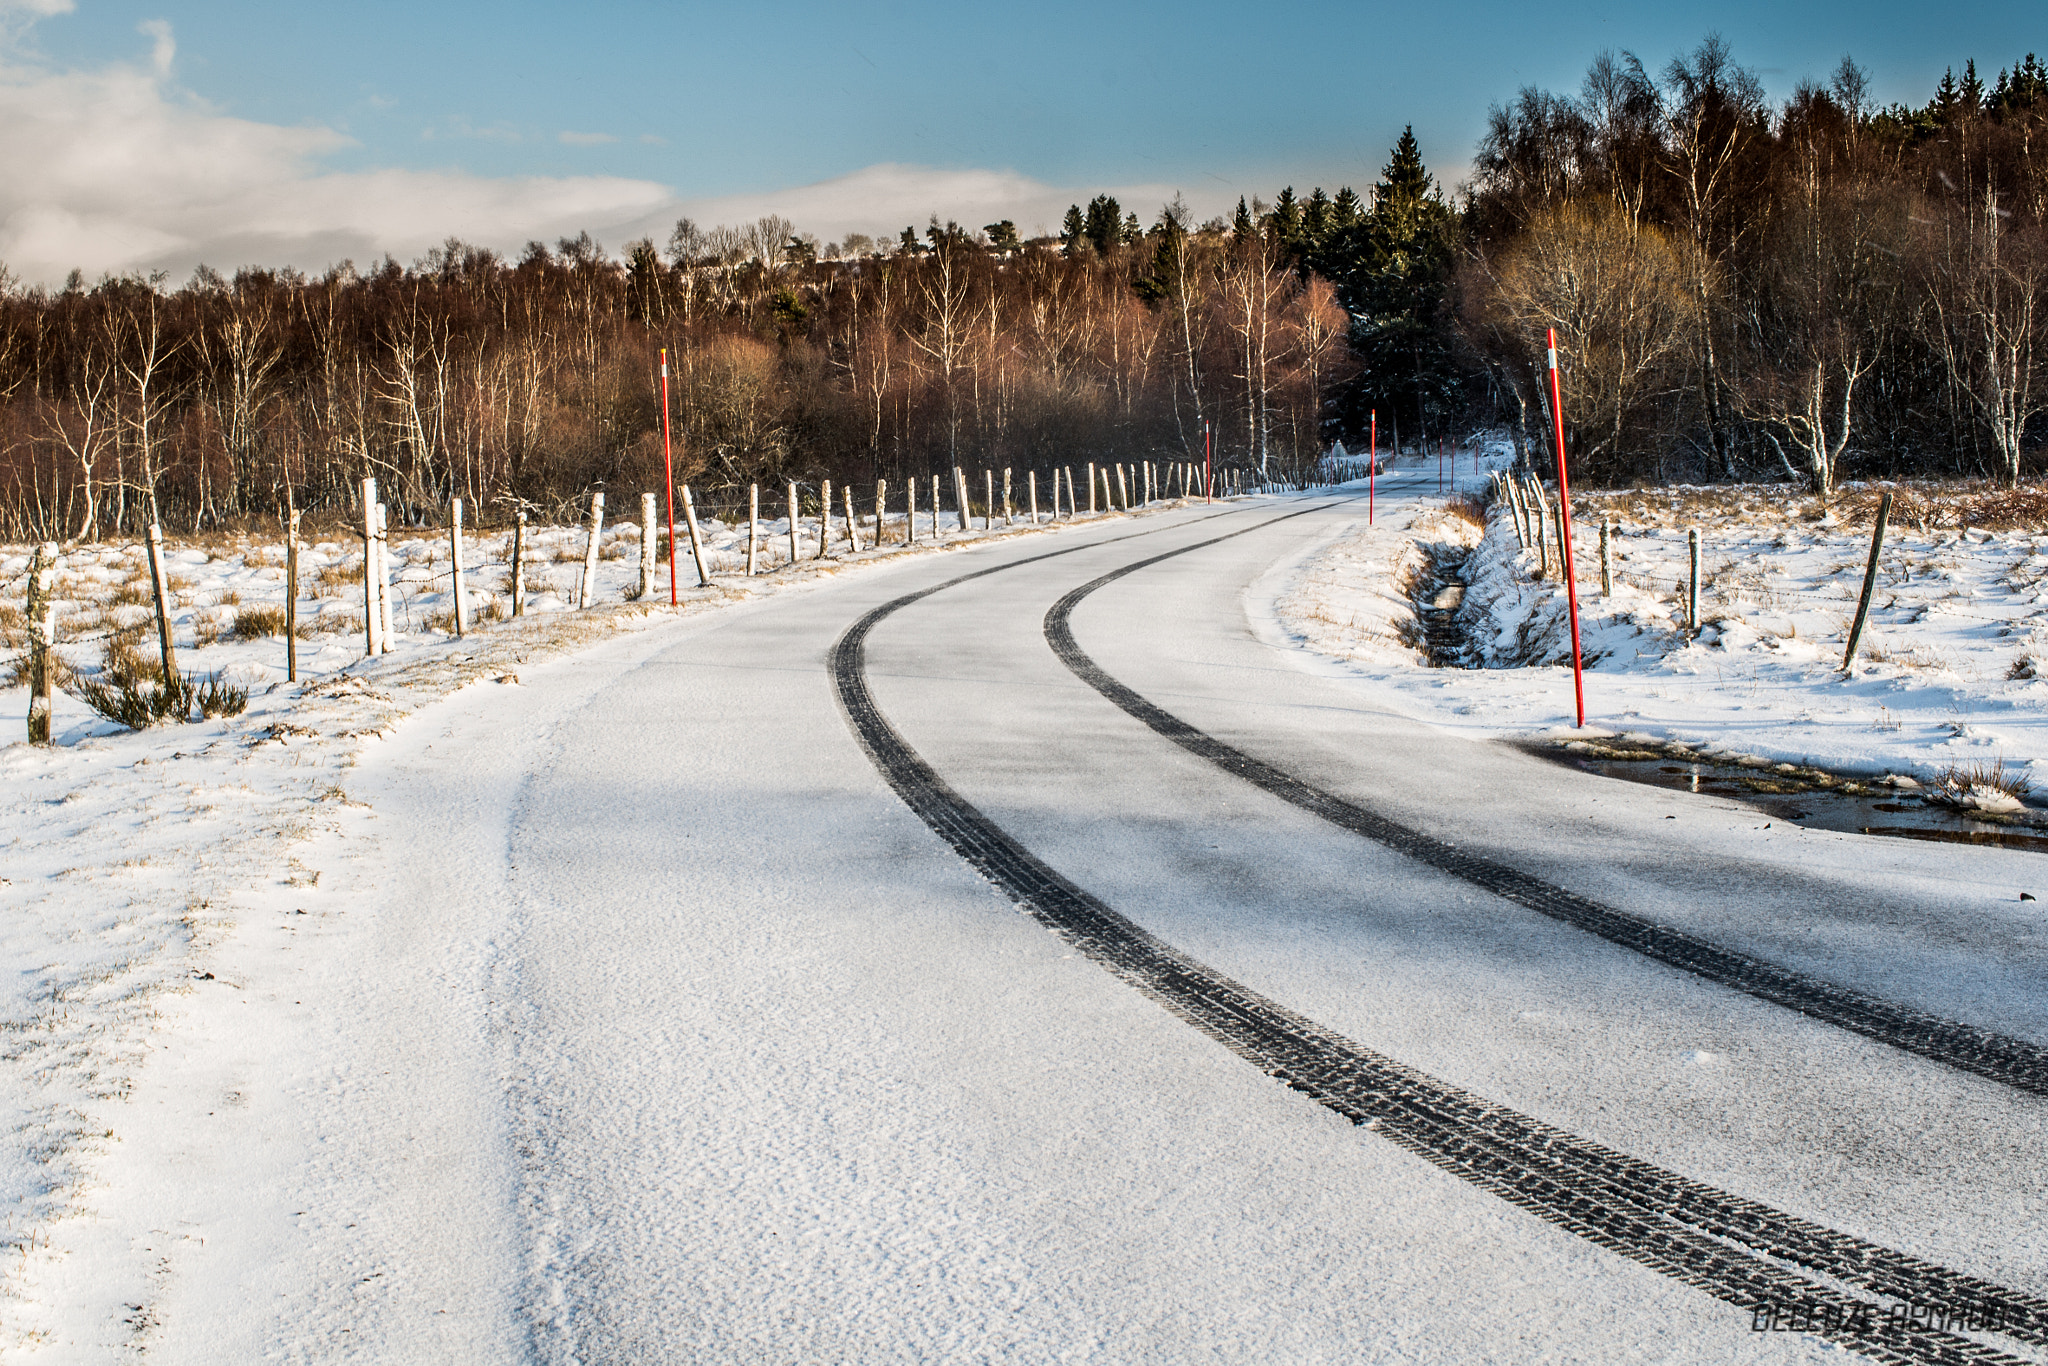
x=1816 y=289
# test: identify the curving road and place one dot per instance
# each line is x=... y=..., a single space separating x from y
x=701 y=1021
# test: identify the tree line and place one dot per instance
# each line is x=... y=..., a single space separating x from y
x=531 y=380
x=1742 y=290
x=1806 y=290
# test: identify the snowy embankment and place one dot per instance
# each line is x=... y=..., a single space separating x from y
x=121 y=852
x=1945 y=683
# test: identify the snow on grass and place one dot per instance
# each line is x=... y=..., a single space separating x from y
x=1945 y=684
x=119 y=850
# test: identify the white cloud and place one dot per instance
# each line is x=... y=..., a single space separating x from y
x=164 y=48
x=117 y=169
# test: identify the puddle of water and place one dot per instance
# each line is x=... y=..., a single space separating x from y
x=1804 y=796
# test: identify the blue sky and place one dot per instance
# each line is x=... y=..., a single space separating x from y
x=630 y=113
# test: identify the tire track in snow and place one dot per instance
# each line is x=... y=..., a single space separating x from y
x=2018 y=1063
x=1742 y=1252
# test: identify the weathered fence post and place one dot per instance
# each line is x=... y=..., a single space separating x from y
x=386 y=640
x=793 y=534
x=1031 y=489
x=753 y=529
x=291 y=599
x=881 y=510
x=852 y=520
x=960 y=491
x=1606 y=566
x=1123 y=495
x=42 y=638
x=1884 y=514
x=519 y=563
x=162 y=593
x=461 y=594
x=373 y=637
x=648 y=536
x=590 y=550
x=696 y=540
x=1091 y=487
x=1692 y=580
x=910 y=511
x=988 y=500
x=824 y=516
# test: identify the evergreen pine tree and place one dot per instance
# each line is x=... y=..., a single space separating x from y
x=1947 y=99
x=1315 y=218
x=1071 y=228
x=1973 y=89
x=1392 y=269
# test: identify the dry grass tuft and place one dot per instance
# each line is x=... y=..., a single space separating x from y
x=1992 y=776
x=1466 y=509
x=253 y=623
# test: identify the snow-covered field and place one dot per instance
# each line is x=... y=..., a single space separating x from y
x=1945 y=683
x=122 y=853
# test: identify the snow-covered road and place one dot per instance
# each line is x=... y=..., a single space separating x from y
x=637 y=1017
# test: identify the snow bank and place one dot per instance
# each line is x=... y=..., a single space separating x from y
x=1945 y=685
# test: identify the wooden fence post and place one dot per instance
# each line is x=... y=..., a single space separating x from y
x=519 y=563
x=881 y=509
x=163 y=607
x=1606 y=566
x=960 y=491
x=461 y=594
x=852 y=520
x=1692 y=582
x=910 y=511
x=386 y=642
x=648 y=536
x=1009 y=511
x=42 y=637
x=696 y=541
x=1091 y=487
x=824 y=517
x=373 y=635
x=291 y=599
x=1031 y=481
x=753 y=529
x=1123 y=495
x=590 y=550
x=1884 y=514
x=793 y=534
x=988 y=500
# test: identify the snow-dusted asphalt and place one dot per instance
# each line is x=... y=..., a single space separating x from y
x=654 y=1026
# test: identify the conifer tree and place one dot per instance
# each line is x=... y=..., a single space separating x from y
x=1392 y=269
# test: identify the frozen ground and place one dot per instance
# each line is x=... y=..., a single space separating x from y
x=626 y=1012
x=1945 y=684
x=121 y=853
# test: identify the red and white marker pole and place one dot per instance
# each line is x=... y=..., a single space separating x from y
x=1208 y=467
x=1372 y=467
x=668 y=461
x=1564 y=522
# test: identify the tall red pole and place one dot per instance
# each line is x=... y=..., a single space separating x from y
x=1208 y=467
x=1564 y=522
x=1372 y=468
x=668 y=461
